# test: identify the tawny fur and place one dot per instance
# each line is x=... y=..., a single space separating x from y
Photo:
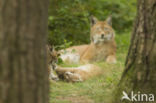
x=78 y=74
x=70 y=74
x=51 y=61
x=101 y=48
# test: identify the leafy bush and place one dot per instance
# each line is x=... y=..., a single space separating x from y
x=69 y=19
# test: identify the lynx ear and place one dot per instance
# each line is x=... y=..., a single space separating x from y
x=109 y=20
x=50 y=48
x=93 y=20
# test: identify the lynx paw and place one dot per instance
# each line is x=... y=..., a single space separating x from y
x=111 y=59
x=73 y=77
x=53 y=77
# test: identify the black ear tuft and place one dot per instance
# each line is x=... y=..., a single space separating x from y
x=109 y=20
x=93 y=20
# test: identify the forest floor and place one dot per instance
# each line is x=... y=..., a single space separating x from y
x=95 y=90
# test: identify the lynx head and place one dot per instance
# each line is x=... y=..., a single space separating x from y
x=52 y=56
x=101 y=31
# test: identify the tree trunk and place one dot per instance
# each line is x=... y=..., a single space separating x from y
x=23 y=69
x=140 y=68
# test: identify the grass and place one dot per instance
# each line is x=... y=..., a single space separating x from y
x=94 y=90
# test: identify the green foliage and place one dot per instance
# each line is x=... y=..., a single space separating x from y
x=69 y=19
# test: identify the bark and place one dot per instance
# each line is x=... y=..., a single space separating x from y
x=140 y=67
x=23 y=73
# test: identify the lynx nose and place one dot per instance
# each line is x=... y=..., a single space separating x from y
x=102 y=36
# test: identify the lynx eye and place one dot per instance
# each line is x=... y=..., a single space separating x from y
x=106 y=29
x=98 y=28
x=92 y=39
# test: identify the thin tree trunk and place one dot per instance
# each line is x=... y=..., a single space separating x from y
x=23 y=69
x=140 y=69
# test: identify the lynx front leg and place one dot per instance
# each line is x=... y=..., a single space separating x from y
x=52 y=76
x=61 y=72
x=73 y=77
x=89 y=54
x=111 y=59
x=85 y=58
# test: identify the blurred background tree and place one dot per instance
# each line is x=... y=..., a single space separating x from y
x=69 y=19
